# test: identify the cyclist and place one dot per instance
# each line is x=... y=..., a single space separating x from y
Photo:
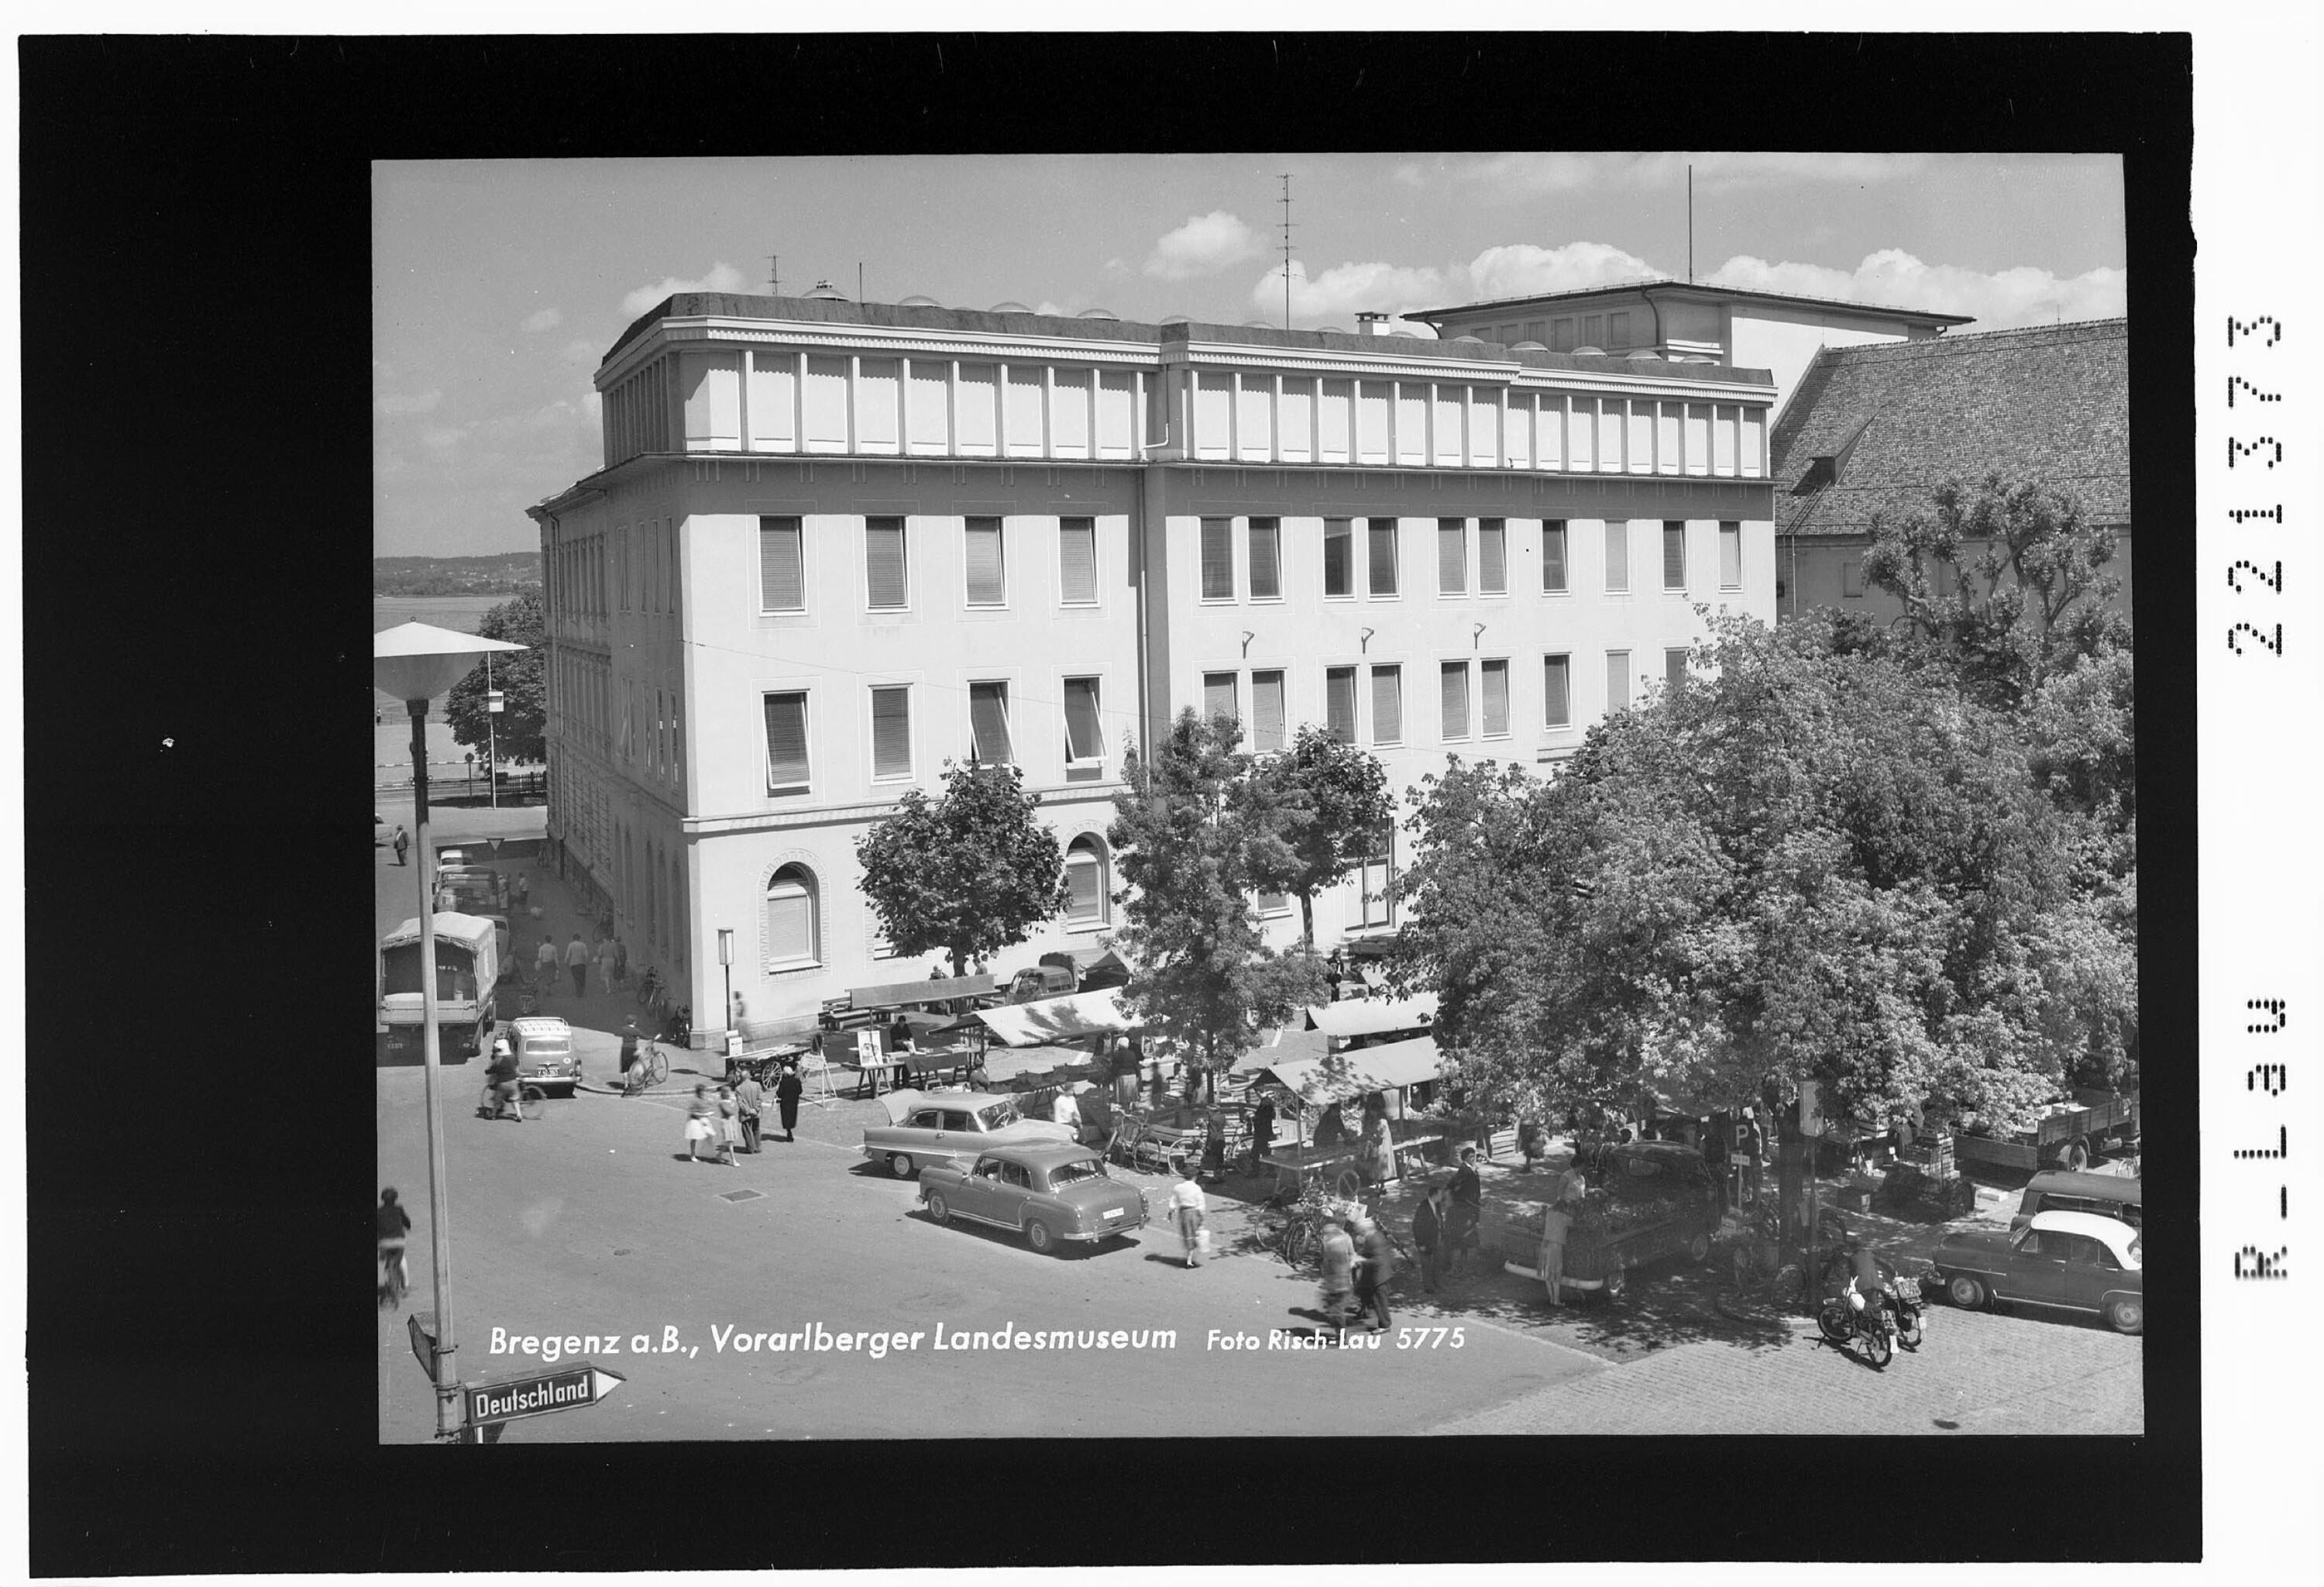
x=394 y=1225
x=630 y=1076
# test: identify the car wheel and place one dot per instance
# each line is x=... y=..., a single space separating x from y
x=1967 y=1293
x=1618 y=1280
x=902 y=1165
x=2076 y=1157
x=1698 y=1250
x=937 y=1210
x=2127 y=1316
x=1037 y=1236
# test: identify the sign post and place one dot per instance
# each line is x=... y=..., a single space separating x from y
x=584 y=1383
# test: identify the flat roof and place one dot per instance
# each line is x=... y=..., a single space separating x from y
x=1749 y=294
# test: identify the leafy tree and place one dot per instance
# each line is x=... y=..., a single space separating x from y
x=1201 y=975
x=2028 y=606
x=518 y=732
x=1806 y=864
x=965 y=875
x=1325 y=804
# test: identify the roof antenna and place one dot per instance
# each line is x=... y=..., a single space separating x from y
x=1286 y=251
x=1690 y=225
x=859 y=280
x=774 y=275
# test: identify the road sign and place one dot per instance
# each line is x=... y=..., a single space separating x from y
x=422 y=1326
x=583 y=1384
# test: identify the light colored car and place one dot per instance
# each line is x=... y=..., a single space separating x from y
x=2077 y=1262
x=951 y=1126
x=1049 y=1193
x=545 y=1058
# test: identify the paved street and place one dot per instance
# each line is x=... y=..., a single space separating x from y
x=586 y=1222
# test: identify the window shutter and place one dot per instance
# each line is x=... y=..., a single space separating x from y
x=1497 y=699
x=790 y=923
x=1339 y=703
x=1077 y=561
x=1383 y=558
x=891 y=733
x=1731 y=556
x=986 y=581
x=1453 y=556
x=988 y=723
x=1453 y=687
x=1081 y=884
x=1557 y=691
x=1552 y=556
x=1219 y=695
x=786 y=740
x=1492 y=561
x=1617 y=680
x=1267 y=711
x=1673 y=669
x=1387 y=704
x=1265 y=574
x=883 y=547
x=1618 y=555
x=1082 y=741
x=1673 y=556
x=1339 y=557
x=1218 y=560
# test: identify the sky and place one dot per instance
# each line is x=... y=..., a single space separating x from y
x=498 y=285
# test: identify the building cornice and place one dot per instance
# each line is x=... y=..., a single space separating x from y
x=904 y=341
x=1060 y=794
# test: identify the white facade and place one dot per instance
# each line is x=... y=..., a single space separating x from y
x=835 y=545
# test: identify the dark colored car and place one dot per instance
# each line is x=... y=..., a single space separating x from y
x=2109 y=1195
x=2076 y=1261
x=1651 y=1200
x=1052 y=1194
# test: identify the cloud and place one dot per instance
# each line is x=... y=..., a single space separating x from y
x=1339 y=291
x=580 y=352
x=1528 y=175
x=389 y=404
x=1517 y=269
x=1999 y=299
x=722 y=277
x=543 y=319
x=1204 y=245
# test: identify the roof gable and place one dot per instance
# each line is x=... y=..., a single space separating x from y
x=1878 y=428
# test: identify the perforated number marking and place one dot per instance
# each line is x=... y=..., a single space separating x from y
x=2248 y=328
x=2272 y=578
x=2273 y=1007
x=2274 y=455
x=2237 y=379
x=2236 y=644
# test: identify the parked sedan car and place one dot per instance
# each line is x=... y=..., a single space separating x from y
x=545 y=1057
x=951 y=1126
x=1049 y=1192
x=2077 y=1262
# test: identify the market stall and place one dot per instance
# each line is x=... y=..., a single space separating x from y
x=1323 y=1085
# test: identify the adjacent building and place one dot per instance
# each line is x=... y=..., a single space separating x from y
x=834 y=545
x=1877 y=429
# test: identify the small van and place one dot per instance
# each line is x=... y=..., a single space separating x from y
x=2109 y=1195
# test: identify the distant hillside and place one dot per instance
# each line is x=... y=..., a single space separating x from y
x=507 y=574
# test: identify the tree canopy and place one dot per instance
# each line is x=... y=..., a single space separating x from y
x=965 y=875
x=1809 y=862
x=1186 y=827
x=518 y=732
x=1317 y=811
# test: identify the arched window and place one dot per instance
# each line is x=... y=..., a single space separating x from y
x=1089 y=882
x=794 y=932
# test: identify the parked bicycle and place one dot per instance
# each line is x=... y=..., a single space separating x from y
x=650 y=1068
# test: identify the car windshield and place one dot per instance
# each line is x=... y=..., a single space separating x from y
x=1065 y=1173
x=997 y=1115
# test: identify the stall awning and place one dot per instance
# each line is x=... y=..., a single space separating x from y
x=1365 y=1015
x=1057 y=1018
x=899 y=994
x=1337 y=1076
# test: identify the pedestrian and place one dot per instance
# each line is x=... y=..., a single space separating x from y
x=1189 y=1209
x=1375 y=1267
x=1533 y=1144
x=1751 y=1150
x=1429 y=1231
x=501 y=890
x=394 y=1225
x=1262 y=1126
x=400 y=841
x=576 y=962
x=1556 y=1219
x=787 y=1099
x=621 y=962
x=1376 y=1152
x=629 y=1077
x=701 y=1120
x=1467 y=1208
x=748 y=1100
x=544 y=964
x=523 y=892
x=737 y=1023
x=1331 y=1129
x=1339 y=1274
x=730 y=1126
x=1066 y=1112
x=500 y=1089
x=605 y=961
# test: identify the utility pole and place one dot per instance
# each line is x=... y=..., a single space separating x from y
x=774 y=275
x=1286 y=251
x=1690 y=224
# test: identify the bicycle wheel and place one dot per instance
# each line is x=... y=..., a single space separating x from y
x=656 y=1068
x=1297 y=1244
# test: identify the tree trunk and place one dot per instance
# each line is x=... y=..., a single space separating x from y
x=1307 y=920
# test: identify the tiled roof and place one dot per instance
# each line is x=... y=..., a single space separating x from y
x=2050 y=404
x=1700 y=289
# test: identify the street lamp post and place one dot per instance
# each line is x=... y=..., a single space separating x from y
x=492 y=734
x=726 y=967
x=414 y=663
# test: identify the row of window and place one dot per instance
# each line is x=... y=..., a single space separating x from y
x=1472 y=698
x=887 y=567
x=793 y=937
x=790 y=766
x=1610 y=332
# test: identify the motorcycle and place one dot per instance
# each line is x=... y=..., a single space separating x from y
x=677 y=1029
x=1851 y=1315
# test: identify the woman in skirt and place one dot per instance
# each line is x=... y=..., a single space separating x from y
x=701 y=1120
x=730 y=1126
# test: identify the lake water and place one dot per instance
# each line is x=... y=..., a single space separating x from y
x=461 y=614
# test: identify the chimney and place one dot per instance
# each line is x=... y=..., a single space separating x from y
x=1368 y=321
